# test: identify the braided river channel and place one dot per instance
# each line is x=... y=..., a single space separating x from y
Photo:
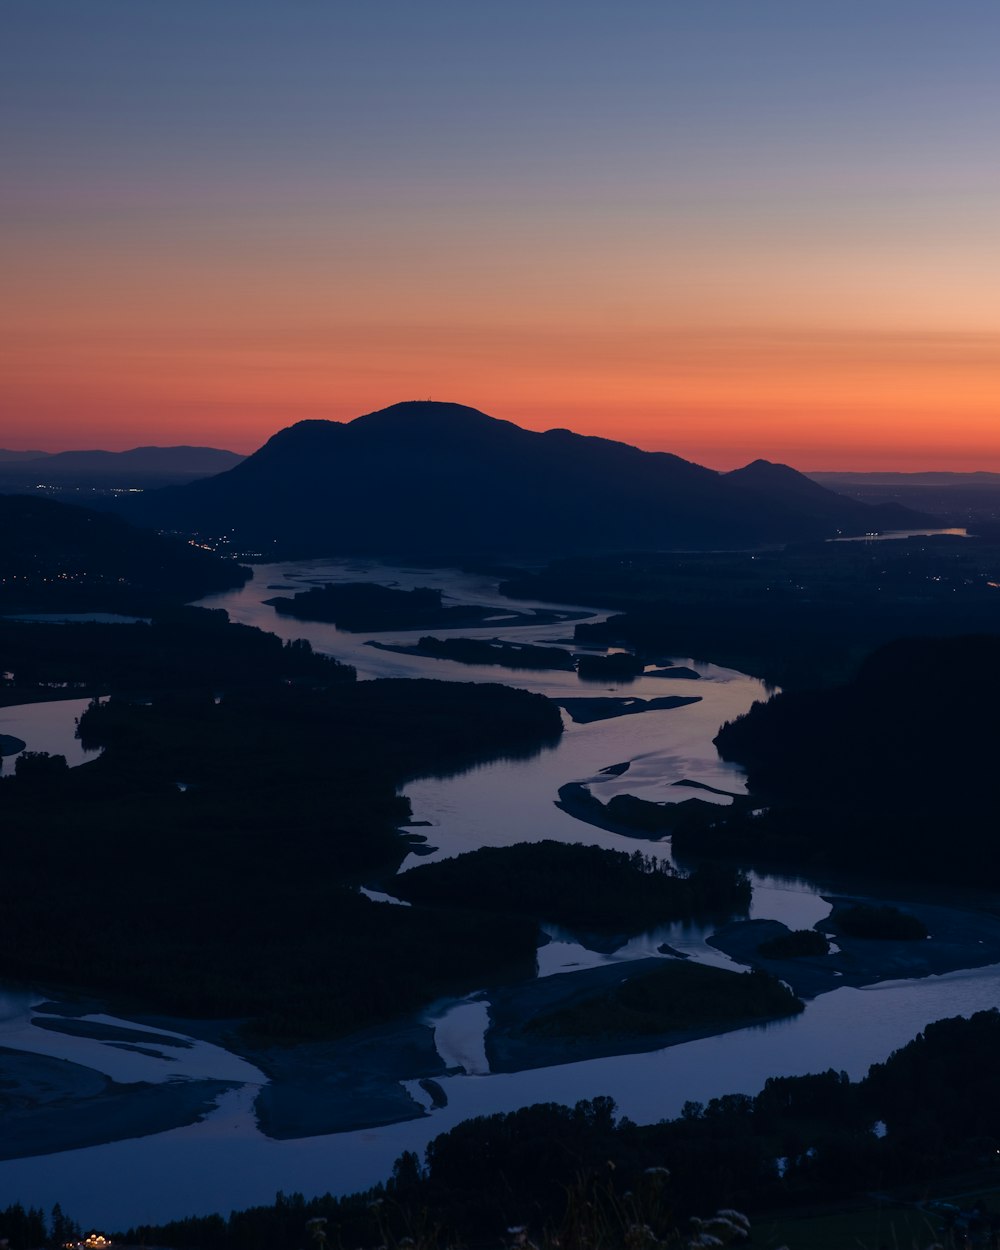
x=224 y=1160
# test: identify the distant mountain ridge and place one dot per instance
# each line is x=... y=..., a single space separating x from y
x=427 y=478
x=968 y=501
x=139 y=466
x=885 y=477
x=12 y=457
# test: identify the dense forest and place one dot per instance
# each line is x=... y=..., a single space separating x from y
x=283 y=797
x=192 y=649
x=277 y=776
x=672 y=997
x=890 y=773
x=582 y=887
x=363 y=606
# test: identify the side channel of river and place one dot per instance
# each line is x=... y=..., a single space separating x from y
x=224 y=1161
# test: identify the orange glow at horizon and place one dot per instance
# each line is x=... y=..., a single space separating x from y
x=768 y=236
x=719 y=347
x=815 y=400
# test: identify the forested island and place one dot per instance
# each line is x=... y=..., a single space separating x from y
x=619 y=666
x=672 y=996
x=613 y=1011
x=359 y=606
x=180 y=648
x=581 y=887
x=281 y=785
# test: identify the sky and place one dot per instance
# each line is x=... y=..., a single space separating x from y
x=721 y=228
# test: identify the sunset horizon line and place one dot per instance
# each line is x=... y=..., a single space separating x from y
x=732 y=456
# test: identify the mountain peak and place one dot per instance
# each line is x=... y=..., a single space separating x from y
x=767 y=475
x=428 y=416
x=764 y=468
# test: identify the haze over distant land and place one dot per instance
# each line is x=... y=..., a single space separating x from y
x=140 y=467
x=721 y=230
x=443 y=480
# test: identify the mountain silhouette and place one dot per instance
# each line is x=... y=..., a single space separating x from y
x=436 y=479
x=816 y=501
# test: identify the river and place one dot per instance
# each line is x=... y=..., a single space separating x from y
x=225 y=1162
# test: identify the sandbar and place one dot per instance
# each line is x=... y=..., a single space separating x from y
x=958 y=939
x=48 y=1105
x=584 y=711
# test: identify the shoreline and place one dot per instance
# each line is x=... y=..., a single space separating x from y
x=585 y=709
x=316 y=1088
x=957 y=939
x=576 y=800
x=509 y=1050
x=49 y=1105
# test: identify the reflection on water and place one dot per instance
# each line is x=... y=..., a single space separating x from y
x=460 y=1032
x=46 y=727
x=225 y=1162
x=889 y=535
x=166 y=1055
x=794 y=902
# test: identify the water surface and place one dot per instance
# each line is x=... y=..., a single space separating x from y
x=225 y=1161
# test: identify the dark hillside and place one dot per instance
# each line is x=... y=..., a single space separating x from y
x=442 y=480
x=891 y=773
x=55 y=557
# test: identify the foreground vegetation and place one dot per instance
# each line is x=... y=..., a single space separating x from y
x=800 y=1142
